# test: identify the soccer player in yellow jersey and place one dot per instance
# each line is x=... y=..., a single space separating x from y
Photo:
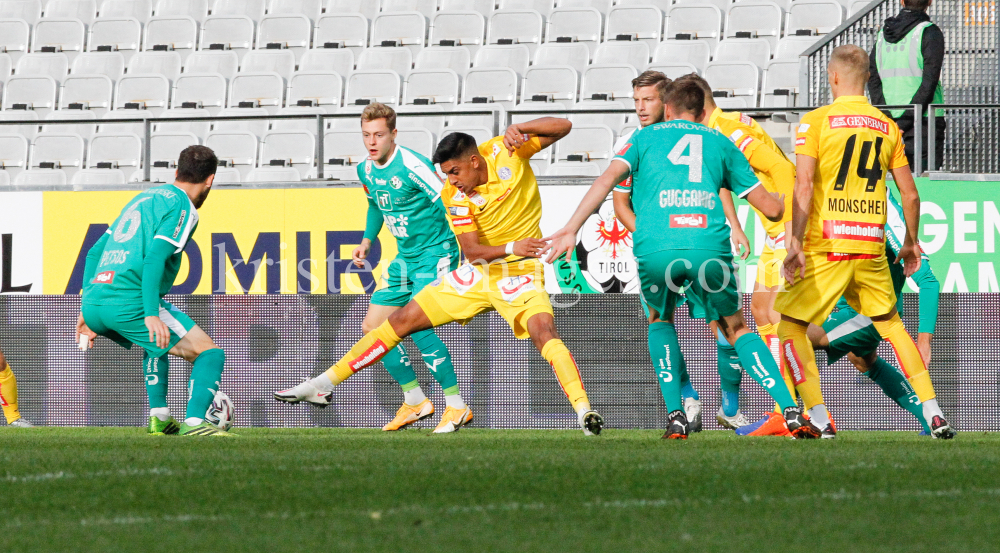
x=8 y=396
x=495 y=210
x=837 y=245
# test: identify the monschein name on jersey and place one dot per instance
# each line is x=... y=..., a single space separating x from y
x=688 y=198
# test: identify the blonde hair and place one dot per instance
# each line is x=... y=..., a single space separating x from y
x=376 y=111
x=850 y=60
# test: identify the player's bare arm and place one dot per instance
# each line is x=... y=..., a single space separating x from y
x=909 y=253
x=795 y=262
x=738 y=237
x=479 y=253
x=770 y=205
x=547 y=129
x=563 y=241
x=623 y=209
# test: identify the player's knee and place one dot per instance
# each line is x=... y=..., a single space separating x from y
x=859 y=363
x=367 y=327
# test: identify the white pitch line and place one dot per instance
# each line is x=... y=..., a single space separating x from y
x=63 y=475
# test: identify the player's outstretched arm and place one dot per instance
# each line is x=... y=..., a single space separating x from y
x=547 y=129
x=738 y=237
x=909 y=254
x=563 y=241
x=623 y=209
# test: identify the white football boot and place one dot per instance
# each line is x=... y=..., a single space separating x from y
x=692 y=410
x=732 y=423
x=305 y=392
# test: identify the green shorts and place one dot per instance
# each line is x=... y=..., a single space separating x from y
x=850 y=332
x=405 y=277
x=126 y=325
x=708 y=279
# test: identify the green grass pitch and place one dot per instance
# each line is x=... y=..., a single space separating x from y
x=116 y=489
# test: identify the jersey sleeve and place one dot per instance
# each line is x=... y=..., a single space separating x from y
x=422 y=175
x=807 y=137
x=529 y=148
x=460 y=216
x=739 y=176
x=629 y=153
x=898 y=153
x=176 y=221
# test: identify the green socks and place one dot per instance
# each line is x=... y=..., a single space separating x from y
x=397 y=362
x=157 y=371
x=668 y=362
x=759 y=364
x=730 y=376
x=437 y=359
x=895 y=385
x=205 y=376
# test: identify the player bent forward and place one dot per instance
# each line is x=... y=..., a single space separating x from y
x=127 y=273
x=682 y=239
x=495 y=209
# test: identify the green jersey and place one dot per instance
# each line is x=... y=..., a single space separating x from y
x=406 y=191
x=677 y=170
x=160 y=213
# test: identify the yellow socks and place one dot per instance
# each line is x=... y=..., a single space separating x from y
x=366 y=352
x=909 y=358
x=555 y=352
x=8 y=394
x=800 y=362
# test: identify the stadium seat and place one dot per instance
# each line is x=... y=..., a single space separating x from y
x=165 y=147
x=13 y=152
x=84 y=10
x=398 y=59
x=367 y=8
x=575 y=25
x=55 y=65
x=273 y=174
x=460 y=28
x=417 y=139
x=41 y=177
x=281 y=62
x=85 y=129
x=92 y=93
x=613 y=120
x=552 y=83
x=342 y=30
x=59 y=35
x=739 y=79
x=110 y=151
x=694 y=22
x=573 y=54
x=295 y=149
x=140 y=10
x=337 y=60
x=14 y=37
x=515 y=27
x=755 y=19
x=858 y=5
x=137 y=128
x=484 y=7
x=6 y=67
x=756 y=50
x=490 y=85
x=790 y=47
x=97 y=177
x=111 y=64
x=426 y=7
x=27 y=131
x=323 y=89
x=176 y=33
x=57 y=151
x=255 y=126
x=543 y=7
x=633 y=53
x=28 y=10
x=292 y=32
x=199 y=128
x=514 y=56
x=344 y=151
x=265 y=89
x=816 y=16
x=225 y=175
x=213 y=61
x=375 y=85
x=456 y=58
x=694 y=52
x=481 y=134
x=200 y=91
x=433 y=124
x=4 y=179
x=591 y=143
x=227 y=32
x=167 y=64
x=608 y=82
x=674 y=70
x=123 y=35
x=350 y=114
x=254 y=9
x=34 y=92
x=573 y=169
x=150 y=92
x=237 y=150
x=400 y=29
x=432 y=86
x=312 y=9
x=160 y=175
x=306 y=124
x=781 y=83
x=195 y=9
x=641 y=23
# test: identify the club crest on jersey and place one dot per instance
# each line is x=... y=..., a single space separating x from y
x=106 y=277
x=368 y=167
x=396 y=182
x=858 y=122
x=505 y=173
x=512 y=287
x=688 y=221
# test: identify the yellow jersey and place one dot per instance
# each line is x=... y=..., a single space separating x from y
x=769 y=163
x=854 y=145
x=506 y=209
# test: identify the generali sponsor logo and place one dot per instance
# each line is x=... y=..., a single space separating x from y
x=850 y=230
x=858 y=122
x=106 y=277
x=688 y=221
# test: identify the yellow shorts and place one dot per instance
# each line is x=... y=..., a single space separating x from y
x=864 y=282
x=769 y=265
x=465 y=292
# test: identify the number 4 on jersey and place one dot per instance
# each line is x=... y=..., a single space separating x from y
x=692 y=160
x=873 y=174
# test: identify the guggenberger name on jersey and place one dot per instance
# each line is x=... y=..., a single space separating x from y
x=846 y=205
x=688 y=198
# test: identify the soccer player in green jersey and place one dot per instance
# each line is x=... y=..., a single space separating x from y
x=404 y=192
x=682 y=240
x=127 y=273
